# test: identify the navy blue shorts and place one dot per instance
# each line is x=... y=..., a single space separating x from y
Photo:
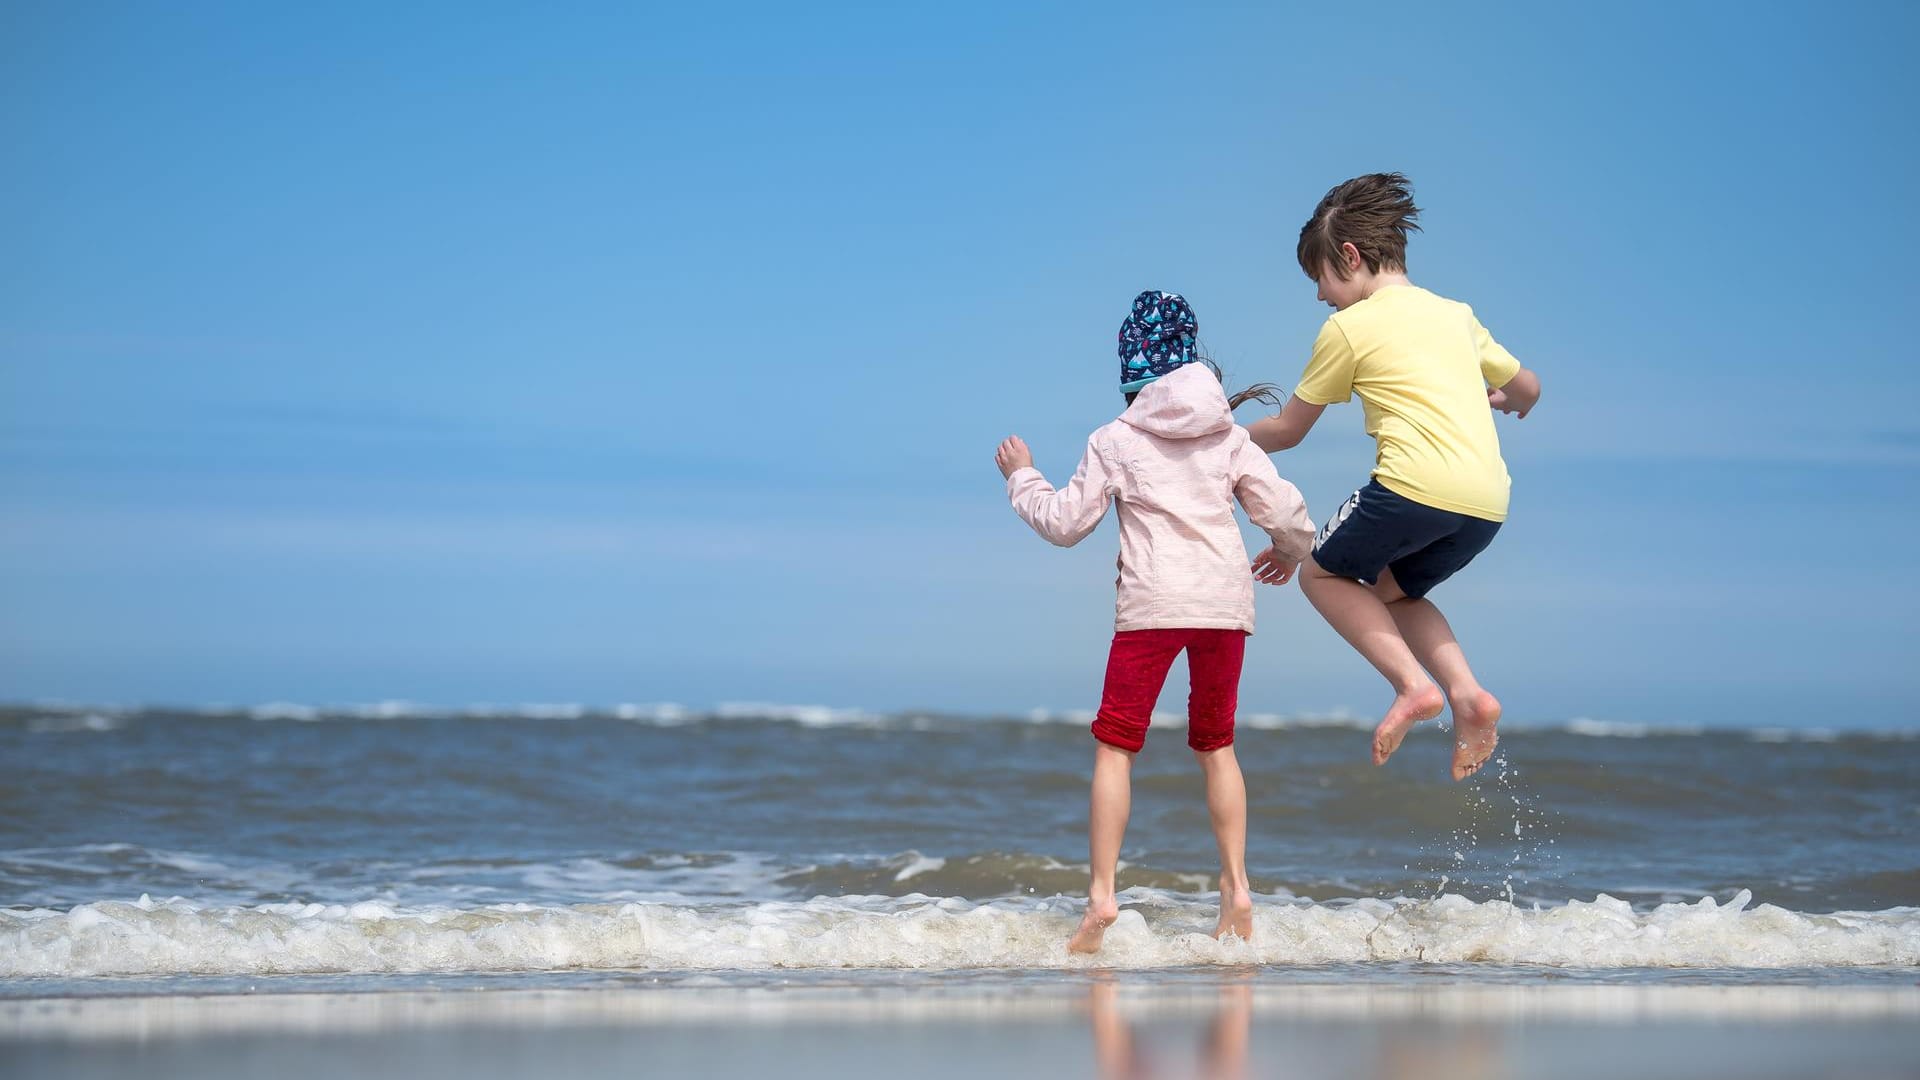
x=1377 y=529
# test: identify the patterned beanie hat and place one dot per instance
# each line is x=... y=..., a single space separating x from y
x=1157 y=337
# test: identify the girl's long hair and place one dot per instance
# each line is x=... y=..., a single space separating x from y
x=1265 y=393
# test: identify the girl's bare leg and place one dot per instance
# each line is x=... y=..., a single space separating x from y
x=1227 y=806
x=1106 y=827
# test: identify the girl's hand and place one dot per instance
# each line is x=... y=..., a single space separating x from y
x=1012 y=456
x=1270 y=569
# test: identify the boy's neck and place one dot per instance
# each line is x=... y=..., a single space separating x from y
x=1383 y=279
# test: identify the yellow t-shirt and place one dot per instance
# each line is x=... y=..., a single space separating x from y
x=1421 y=365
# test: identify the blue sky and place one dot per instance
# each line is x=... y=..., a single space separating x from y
x=472 y=353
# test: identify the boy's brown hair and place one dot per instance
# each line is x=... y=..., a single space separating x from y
x=1372 y=212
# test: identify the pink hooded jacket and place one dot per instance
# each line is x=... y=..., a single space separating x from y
x=1175 y=462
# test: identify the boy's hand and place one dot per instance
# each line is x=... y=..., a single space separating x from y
x=1012 y=456
x=1498 y=399
x=1270 y=569
x=1518 y=396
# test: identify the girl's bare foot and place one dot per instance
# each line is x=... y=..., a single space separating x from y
x=1410 y=708
x=1474 y=718
x=1093 y=927
x=1236 y=913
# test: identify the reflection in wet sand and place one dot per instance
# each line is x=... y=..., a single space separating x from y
x=1121 y=1054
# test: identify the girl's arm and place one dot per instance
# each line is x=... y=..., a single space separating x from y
x=1284 y=432
x=1274 y=506
x=1518 y=395
x=1062 y=517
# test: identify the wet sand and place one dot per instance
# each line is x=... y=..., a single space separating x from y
x=1132 y=1025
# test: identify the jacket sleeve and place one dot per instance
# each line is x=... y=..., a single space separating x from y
x=1271 y=503
x=1065 y=517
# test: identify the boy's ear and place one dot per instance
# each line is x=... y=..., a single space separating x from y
x=1350 y=255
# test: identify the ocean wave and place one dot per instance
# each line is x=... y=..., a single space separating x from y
x=1157 y=929
x=980 y=874
x=50 y=876
x=53 y=876
x=62 y=718
x=63 y=723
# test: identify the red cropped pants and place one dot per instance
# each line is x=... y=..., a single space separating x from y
x=1137 y=669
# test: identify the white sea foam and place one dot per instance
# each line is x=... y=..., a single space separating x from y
x=918 y=932
x=1076 y=717
x=920 y=864
x=286 y=710
x=1618 y=729
x=1607 y=729
x=556 y=710
x=666 y=714
x=391 y=710
x=68 y=722
x=803 y=715
x=1788 y=735
x=1339 y=718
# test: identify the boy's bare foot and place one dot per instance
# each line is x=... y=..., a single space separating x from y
x=1474 y=718
x=1093 y=927
x=1236 y=913
x=1408 y=709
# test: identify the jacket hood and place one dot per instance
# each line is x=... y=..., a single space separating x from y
x=1184 y=404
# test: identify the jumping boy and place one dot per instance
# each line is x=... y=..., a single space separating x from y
x=1426 y=372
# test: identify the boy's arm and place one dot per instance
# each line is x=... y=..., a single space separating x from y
x=1518 y=395
x=1327 y=379
x=1284 y=432
x=1276 y=507
x=1062 y=517
x=1512 y=388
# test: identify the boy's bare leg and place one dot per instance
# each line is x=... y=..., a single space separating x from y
x=1476 y=713
x=1106 y=827
x=1227 y=806
x=1361 y=618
